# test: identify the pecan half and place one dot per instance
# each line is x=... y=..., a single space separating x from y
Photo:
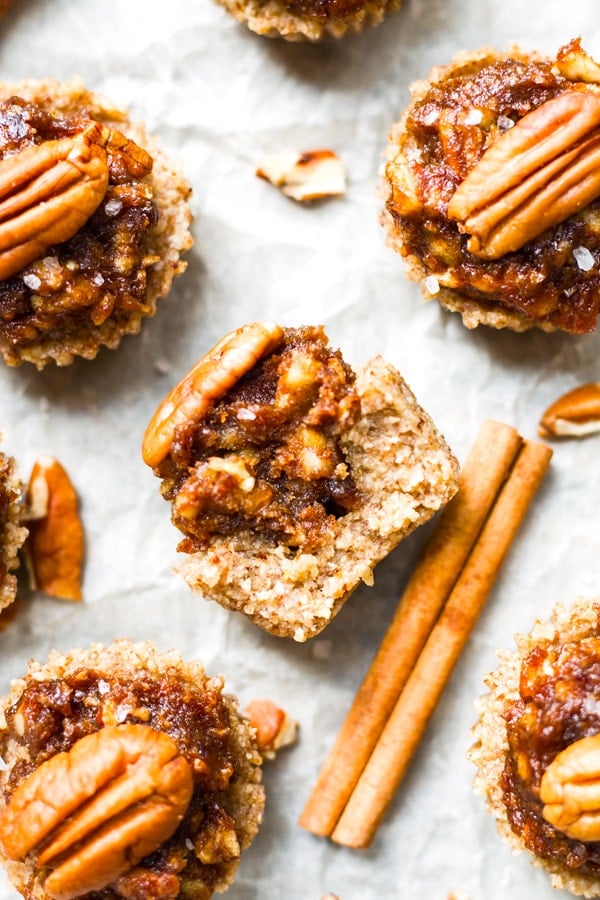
x=94 y=812
x=570 y=790
x=207 y=382
x=575 y=414
x=55 y=547
x=47 y=193
x=545 y=169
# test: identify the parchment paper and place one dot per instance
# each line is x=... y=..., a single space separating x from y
x=221 y=98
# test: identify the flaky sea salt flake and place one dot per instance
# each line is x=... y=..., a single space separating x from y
x=473 y=117
x=432 y=285
x=113 y=207
x=584 y=259
x=32 y=281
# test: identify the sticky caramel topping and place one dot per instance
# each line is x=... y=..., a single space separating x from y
x=558 y=705
x=101 y=271
x=449 y=130
x=267 y=457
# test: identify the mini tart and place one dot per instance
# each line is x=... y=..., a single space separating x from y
x=453 y=118
x=351 y=458
x=309 y=20
x=91 y=290
x=12 y=534
x=551 y=679
x=78 y=693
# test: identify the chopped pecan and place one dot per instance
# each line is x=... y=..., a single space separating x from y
x=55 y=545
x=48 y=192
x=207 y=382
x=574 y=64
x=312 y=175
x=94 y=812
x=274 y=727
x=575 y=414
x=536 y=175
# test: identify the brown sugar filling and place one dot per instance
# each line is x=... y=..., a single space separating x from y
x=101 y=271
x=7 y=497
x=52 y=715
x=268 y=456
x=559 y=704
x=447 y=133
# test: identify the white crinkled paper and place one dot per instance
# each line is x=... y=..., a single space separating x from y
x=222 y=99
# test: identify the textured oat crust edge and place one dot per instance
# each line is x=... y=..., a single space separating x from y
x=168 y=240
x=245 y=802
x=473 y=312
x=272 y=19
x=12 y=534
x=489 y=732
x=405 y=472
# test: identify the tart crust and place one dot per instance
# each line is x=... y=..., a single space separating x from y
x=168 y=240
x=489 y=732
x=12 y=534
x=273 y=19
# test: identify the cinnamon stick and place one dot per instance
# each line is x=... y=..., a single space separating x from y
x=482 y=477
x=400 y=738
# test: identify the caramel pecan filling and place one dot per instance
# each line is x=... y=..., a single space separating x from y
x=553 y=277
x=52 y=716
x=324 y=9
x=100 y=271
x=558 y=706
x=7 y=496
x=267 y=457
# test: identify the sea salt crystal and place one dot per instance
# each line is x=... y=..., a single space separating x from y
x=504 y=123
x=431 y=117
x=103 y=686
x=473 y=117
x=98 y=279
x=584 y=259
x=3 y=765
x=122 y=711
x=432 y=285
x=189 y=844
x=32 y=281
x=245 y=415
x=113 y=207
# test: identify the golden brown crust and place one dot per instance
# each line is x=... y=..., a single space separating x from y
x=12 y=534
x=273 y=19
x=168 y=240
x=124 y=659
x=404 y=472
x=473 y=312
x=489 y=733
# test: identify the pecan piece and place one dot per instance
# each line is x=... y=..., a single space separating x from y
x=94 y=812
x=207 y=382
x=575 y=414
x=55 y=546
x=274 y=727
x=545 y=169
x=47 y=193
x=570 y=790
x=312 y=175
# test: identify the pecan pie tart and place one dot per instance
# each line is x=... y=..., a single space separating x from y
x=537 y=746
x=93 y=221
x=127 y=773
x=493 y=188
x=12 y=534
x=309 y=20
x=291 y=476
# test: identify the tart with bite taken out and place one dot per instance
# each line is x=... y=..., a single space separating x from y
x=290 y=475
